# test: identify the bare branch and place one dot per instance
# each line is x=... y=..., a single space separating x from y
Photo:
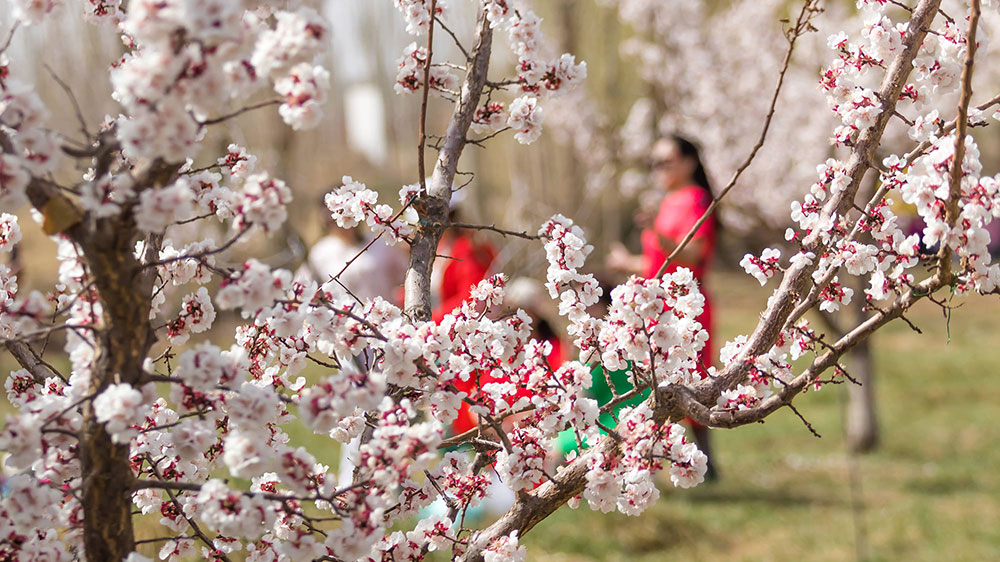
x=76 y=106
x=10 y=36
x=480 y=142
x=424 y=92
x=809 y=426
x=238 y=112
x=493 y=228
x=458 y=43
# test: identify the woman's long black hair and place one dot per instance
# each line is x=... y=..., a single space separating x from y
x=689 y=149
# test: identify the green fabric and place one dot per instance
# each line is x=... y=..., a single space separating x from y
x=601 y=392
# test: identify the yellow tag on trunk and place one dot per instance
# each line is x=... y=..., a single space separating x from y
x=60 y=214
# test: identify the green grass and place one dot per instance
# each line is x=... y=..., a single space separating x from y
x=930 y=492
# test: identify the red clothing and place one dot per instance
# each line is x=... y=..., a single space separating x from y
x=470 y=264
x=679 y=211
x=466 y=420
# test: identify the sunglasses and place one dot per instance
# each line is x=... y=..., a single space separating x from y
x=655 y=164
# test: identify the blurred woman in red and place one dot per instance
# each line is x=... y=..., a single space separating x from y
x=467 y=261
x=678 y=171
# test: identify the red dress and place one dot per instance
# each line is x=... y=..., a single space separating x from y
x=469 y=265
x=679 y=211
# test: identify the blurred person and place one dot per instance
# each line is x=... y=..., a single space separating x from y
x=678 y=172
x=466 y=260
x=377 y=272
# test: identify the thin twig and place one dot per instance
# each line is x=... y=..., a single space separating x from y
x=422 y=131
x=239 y=112
x=200 y=256
x=372 y=241
x=180 y=509
x=72 y=99
x=10 y=36
x=458 y=43
x=479 y=142
x=493 y=228
x=804 y=420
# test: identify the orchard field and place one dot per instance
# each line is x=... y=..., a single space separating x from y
x=930 y=492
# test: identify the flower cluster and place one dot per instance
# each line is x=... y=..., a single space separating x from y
x=196 y=316
x=386 y=380
x=764 y=267
x=526 y=118
x=34 y=150
x=304 y=92
x=253 y=287
x=10 y=232
x=505 y=548
x=652 y=324
x=118 y=407
x=566 y=249
x=353 y=203
x=524 y=465
x=187 y=61
x=625 y=483
x=417 y=13
x=410 y=74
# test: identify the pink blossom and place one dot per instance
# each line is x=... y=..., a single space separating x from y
x=10 y=232
x=304 y=92
x=526 y=118
x=118 y=407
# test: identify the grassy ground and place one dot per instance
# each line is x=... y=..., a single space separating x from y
x=931 y=492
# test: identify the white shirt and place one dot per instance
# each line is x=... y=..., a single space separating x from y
x=379 y=271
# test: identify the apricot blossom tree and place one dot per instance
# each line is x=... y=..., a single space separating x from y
x=151 y=417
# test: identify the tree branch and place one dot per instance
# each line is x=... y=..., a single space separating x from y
x=432 y=203
x=493 y=228
x=26 y=357
x=796 y=280
x=961 y=125
x=238 y=112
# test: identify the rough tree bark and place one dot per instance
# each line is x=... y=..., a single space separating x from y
x=123 y=337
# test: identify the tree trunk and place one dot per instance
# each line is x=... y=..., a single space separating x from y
x=106 y=498
x=860 y=419
x=125 y=289
x=123 y=337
